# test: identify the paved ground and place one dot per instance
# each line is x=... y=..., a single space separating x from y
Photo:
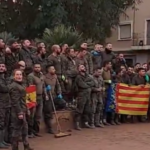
x=123 y=137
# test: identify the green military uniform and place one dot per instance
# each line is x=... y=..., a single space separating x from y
x=37 y=79
x=70 y=73
x=27 y=56
x=97 y=102
x=18 y=107
x=55 y=90
x=83 y=86
x=4 y=107
x=88 y=57
x=10 y=61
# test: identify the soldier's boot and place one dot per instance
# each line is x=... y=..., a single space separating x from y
x=92 y=121
x=15 y=143
x=49 y=126
x=77 y=121
x=86 y=124
x=7 y=144
x=77 y=126
x=112 y=122
x=97 y=120
x=105 y=122
x=2 y=145
x=117 y=120
x=101 y=124
x=27 y=147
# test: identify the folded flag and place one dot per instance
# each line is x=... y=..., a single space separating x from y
x=31 y=96
x=132 y=100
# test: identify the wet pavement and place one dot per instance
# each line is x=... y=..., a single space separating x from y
x=123 y=137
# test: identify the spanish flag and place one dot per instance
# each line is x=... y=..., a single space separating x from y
x=31 y=96
x=132 y=100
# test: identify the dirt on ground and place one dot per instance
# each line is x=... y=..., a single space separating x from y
x=123 y=137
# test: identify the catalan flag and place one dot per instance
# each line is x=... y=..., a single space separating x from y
x=31 y=96
x=132 y=100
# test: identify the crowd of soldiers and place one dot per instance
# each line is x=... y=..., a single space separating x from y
x=65 y=76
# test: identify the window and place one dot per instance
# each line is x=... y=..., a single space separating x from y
x=125 y=31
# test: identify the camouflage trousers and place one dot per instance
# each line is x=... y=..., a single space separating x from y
x=83 y=107
x=97 y=112
x=19 y=128
x=2 y=118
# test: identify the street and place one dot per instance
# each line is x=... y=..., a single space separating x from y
x=123 y=137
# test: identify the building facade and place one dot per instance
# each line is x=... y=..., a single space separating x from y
x=132 y=36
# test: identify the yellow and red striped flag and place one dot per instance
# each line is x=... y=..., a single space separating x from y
x=132 y=100
x=31 y=96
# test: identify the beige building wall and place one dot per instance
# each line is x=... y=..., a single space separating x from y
x=138 y=26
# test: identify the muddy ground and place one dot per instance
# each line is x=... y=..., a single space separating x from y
x=123 y=137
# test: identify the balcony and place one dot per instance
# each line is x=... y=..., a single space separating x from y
x=140 y=42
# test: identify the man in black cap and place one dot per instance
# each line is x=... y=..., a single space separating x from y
x=12 y=58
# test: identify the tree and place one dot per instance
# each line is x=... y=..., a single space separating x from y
x=93 y=18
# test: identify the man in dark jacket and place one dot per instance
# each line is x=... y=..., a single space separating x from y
x=12 y=58
x=4 y=103
x=88 y=57
x=83 y=86
x=26 y=55
x=41 y=58
x=70 y=72
x=108 y=54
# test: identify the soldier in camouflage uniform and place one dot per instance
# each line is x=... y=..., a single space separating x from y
x=18 y=112
x=12 y=58
x=27 y=56
x=41 y=58
x=4 y=105
x=88 y=57
x=83 y=86
x=97 y=99
x=55 y=60
x=37 y=78
x=71 y=72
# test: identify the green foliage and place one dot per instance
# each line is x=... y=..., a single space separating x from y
x=6 y=36
x=62 y=35
x=93 y=18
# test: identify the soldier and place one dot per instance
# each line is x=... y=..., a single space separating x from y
x=97 y=99
x=81 y=60
x=4 y=104
x=18 y=112
x=107 y=77
x=88 y=57
x=83 y=86
x=26 y=55
x=55 y=60
x=12 y=58
x=2 y=54
x=139 y=80
x=70 y=73
x=41 y=58
x=97 y=56
x=136 y=67
x=130 y=73
x=108 y=54
x=37 y=78
x=54 y=90
x=119 y=62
